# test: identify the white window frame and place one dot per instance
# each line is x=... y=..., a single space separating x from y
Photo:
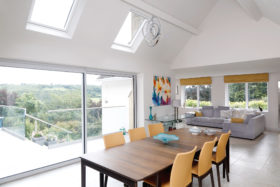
x=137 y=39
x=70 y=26
x=197 y=95
x=246 y=94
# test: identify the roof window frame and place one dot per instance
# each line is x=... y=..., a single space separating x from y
x=137 y=39
x=70 y=24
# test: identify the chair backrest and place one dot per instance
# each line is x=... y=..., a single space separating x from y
x=155 y=129
x=221 y=148
x=181 y=173
x=205 y=157
x=137 y=134
x=113 y=140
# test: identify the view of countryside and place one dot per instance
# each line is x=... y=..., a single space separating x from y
x=49 y=114
x=41 y=115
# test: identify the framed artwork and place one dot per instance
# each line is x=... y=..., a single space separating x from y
x=161 y=90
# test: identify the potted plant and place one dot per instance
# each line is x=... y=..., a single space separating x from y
x=51 y=139
x=38 y=138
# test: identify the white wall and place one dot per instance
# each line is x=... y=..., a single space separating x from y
x=272 y=116
x=148 y=90
x=115 y=103
x=218 y=91
x=229 y=35
x=218 y=98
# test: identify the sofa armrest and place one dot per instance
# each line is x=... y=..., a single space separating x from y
x=257 y=124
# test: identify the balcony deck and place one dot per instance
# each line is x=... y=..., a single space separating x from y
x=18 y=155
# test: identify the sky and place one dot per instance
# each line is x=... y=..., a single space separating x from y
x=29 y=76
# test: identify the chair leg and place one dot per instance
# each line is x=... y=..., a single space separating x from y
x=199 y=182
x=227 y=170
x=145 y=184
x=218 y=175
x=106 y=180
x=212 y=178
x=224 y=169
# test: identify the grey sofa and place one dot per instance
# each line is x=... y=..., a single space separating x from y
x=211 y=117
x=250 y=130
x=253 y=125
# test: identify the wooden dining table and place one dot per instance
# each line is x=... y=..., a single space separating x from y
x=135 y=161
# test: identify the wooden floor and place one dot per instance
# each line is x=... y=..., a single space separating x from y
x=253 y=163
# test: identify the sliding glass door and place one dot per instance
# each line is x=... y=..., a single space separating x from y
x=109 y=107
x=41 y=115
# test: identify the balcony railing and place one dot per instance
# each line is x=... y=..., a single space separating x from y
x=62 y=126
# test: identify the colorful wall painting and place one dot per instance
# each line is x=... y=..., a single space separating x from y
x=161 y=91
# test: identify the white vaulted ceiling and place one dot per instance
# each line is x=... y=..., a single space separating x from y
x=95 y=32
x=270 y=9
x=191 y=12
x=101 y=20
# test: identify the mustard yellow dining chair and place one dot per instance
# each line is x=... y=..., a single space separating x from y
x=203 y=167
x=181 y=172
x=155 y=129
x=219 y=157
x=137 y=134
x=112 y=140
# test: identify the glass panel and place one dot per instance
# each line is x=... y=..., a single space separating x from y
x=40 y=118
x=237 y=95
x=109 y=107
x=53 y=13
x=129 y=29
x=258 y=95
x=191 y=96
x=205 y=95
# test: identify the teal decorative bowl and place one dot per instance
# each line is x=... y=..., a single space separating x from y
x=165 y=138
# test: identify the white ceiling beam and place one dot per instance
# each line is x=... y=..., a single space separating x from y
x=251 y=8
x=139 y=4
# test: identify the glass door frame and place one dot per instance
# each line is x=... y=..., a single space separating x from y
x=12 y=63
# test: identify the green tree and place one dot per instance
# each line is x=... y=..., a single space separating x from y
x=28 y=101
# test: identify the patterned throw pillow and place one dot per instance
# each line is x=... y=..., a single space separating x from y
x=226 y=114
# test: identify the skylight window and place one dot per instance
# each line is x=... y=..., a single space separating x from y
x=54 y=17
x=129 y=36
x=52 y=13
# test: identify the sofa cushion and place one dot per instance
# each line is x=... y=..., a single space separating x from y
x=208 y=111
x=209 y=120
x=223 y=107
x=208 y=107
x=217 y=113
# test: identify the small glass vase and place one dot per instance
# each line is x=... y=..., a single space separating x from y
x=151 y=115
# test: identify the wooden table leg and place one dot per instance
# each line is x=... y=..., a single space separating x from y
x=228 y=154
x=157 y=180
x=83 y=172
x=101 y=179
x=133 y=185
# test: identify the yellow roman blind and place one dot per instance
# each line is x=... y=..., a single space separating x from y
x=260 y=77
x=196 y=81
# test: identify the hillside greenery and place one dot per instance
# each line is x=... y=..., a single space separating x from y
x=48 y=103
